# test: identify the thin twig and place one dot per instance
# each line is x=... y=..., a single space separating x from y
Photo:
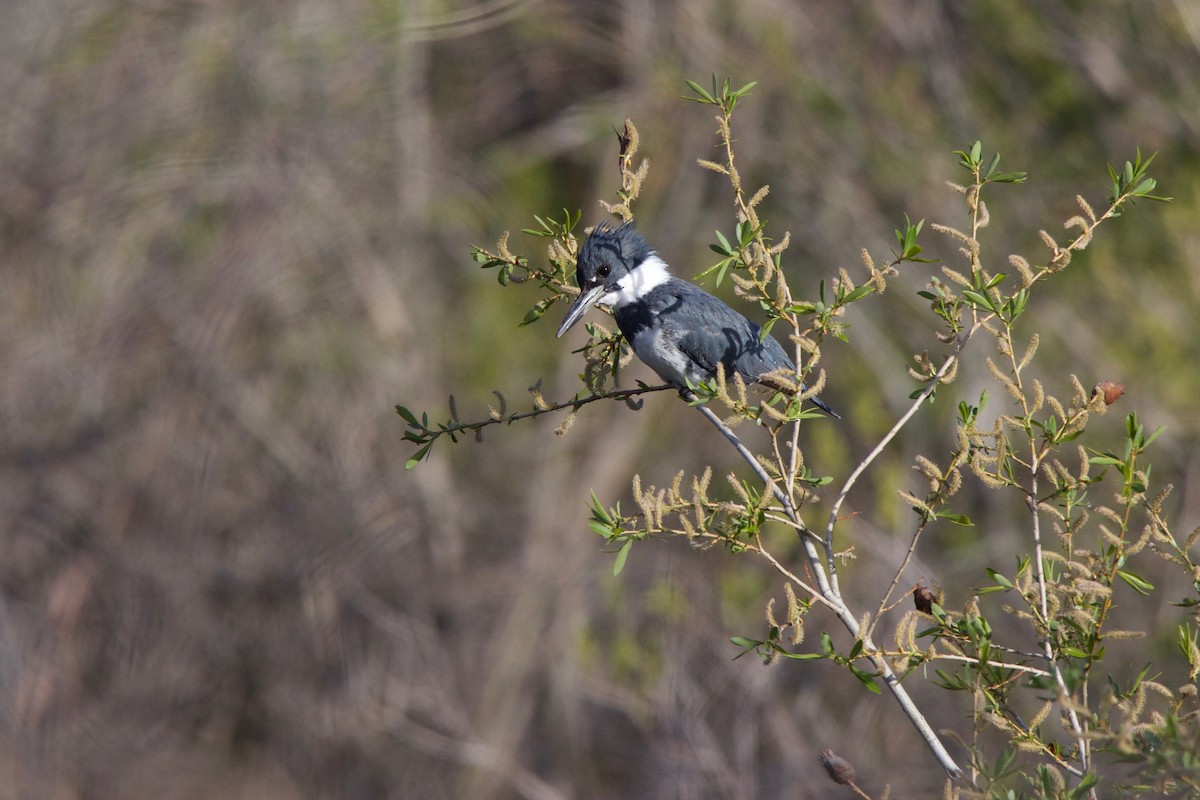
x=1076 y=725
x=900 y=423
x=908 y=556
x=998 y=664
x=574 y=404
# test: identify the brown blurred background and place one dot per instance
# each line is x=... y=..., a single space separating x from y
x=234 y=235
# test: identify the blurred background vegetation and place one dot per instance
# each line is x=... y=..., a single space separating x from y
x=234 y=235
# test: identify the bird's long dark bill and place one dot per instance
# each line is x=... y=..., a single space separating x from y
x=579 y=308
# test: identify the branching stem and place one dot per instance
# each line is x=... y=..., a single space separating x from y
x=829 y=597
x=883 y=443
x=455 y=427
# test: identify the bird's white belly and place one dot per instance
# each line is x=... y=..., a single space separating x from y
x=668 y=362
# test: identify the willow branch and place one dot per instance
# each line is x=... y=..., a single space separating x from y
x=900 y=423
x=455 y=427
x=829 y=597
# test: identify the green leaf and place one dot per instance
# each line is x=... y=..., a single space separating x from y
x=745 y=89
x=746 y=234
x=999 y=578
x=859 y=293
x=546 y=229
x=948 y=681
x=538 y=310
x=983 y=301
x=622 y=555
x=1154 y=435
x=867 y=679
x=957 y=519
x=703 y=96
x=1141 y=676
x=724 y=243
x=599 y=511
x=418 y=456
x=408 y=416
x=1132 y=429
x=1004 y=763
x=718 y=267
x=1084 y=788
x=765 y=330
x=747 y=645
x=1015 y=305
x=1137 y=582
x=992 y=167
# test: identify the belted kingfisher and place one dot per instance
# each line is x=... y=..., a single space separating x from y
x=679 y=330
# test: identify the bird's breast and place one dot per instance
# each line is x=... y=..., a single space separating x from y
x=662 y=355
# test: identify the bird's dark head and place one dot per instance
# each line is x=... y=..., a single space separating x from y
x=607 y=260
x=609 y=254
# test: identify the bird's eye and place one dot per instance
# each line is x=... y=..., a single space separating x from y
x=604 y=270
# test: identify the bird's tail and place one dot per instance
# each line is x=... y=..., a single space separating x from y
x=821 y=404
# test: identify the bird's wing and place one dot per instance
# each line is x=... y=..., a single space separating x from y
x=708 y=332
x=713 y=333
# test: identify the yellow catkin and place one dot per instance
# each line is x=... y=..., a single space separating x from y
x=1029 y=352
x=1023 y=268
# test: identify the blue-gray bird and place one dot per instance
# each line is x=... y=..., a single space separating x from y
x=679 y=330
